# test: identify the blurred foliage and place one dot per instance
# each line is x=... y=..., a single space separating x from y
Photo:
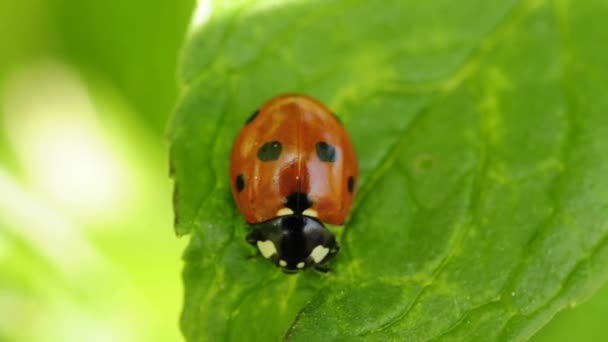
x=133 y=45
x=87 y=249
x=481 y=130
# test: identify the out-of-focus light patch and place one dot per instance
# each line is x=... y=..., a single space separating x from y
x=54 y=128
x=54 y=238
x=205 y=8
x=265 y=6
x=76 y=325
x=202 y=13
x=56 y=312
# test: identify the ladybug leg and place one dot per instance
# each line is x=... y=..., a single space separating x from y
x=251 y=239
x=254 y=236
x=323 y=269
x=333 y=251
x=253 y=256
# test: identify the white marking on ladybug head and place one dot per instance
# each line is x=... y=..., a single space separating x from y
x=282 y=263
x=284 y=212
x=310 y=212
x=267 y=248
x=300 y=265
x=319 y=253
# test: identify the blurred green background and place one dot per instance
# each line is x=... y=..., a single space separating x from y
x=87 y=251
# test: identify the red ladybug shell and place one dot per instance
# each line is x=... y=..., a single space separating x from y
x=293 y=144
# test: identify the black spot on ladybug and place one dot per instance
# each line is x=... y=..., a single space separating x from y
x=326 y=152
x=298 y=202
x=270 y=151
x=351 y=184
x=252 y=117
x=240 y=182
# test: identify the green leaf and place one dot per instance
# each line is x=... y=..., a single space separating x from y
x=480 y=128
x=584 y=322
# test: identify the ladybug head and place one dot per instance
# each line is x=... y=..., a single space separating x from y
x=294 y=242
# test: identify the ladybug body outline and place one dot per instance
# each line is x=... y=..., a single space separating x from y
x=293 y=168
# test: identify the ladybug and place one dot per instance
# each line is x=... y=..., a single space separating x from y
x=293 y=168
